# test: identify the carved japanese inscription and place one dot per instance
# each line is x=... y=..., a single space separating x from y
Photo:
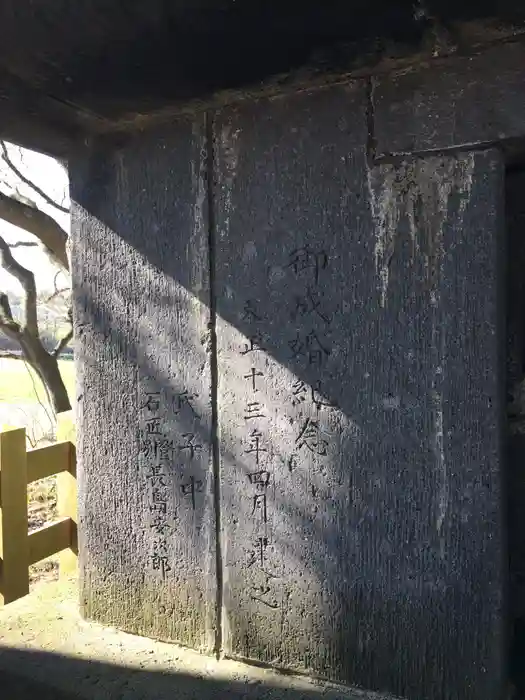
x=143 y=307
x=156 y=458
x=168 y=460
x=347 y=475
x=284 y=437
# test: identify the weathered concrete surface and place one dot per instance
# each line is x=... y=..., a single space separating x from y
x=47 y=651
x=354 y=381
x=515 y=208
x=146 y=514
x=283 y=201
x=443 y=104
x=359 y=409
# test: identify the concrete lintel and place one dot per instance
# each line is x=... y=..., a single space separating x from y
x=462 y=101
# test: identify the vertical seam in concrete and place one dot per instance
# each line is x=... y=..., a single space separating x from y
x=371 y=143
x=214 y=372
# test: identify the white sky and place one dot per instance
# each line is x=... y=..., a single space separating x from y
x=51 y=177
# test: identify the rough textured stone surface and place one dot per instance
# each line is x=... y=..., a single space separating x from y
x=465 y=101
x=141 y=270
x=359 y=404
x=342 y=325
x=515 y=288
x=515 y=208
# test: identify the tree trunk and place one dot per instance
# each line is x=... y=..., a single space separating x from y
x=49 y=373
x=46 y=367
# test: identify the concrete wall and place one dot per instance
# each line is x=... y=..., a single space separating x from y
x=291 y=391
x=147 y=515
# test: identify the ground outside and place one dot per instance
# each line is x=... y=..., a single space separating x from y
x=48 y=651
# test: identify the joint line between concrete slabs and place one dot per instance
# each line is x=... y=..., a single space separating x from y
x=214 y=375
x=371 y=143
x=398 y=157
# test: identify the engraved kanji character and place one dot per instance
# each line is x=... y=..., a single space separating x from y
x=306 y=259
x=184 y=399
x=165 y=450
x=191 y=445
x=311 y=437
x=254 y=445
x=160 y=546
x=159 y=558
x=148 y=447
x=299 y=392
x=310 y=303
x=309 y=347
x=152 y=403
x=159 y=495
x=253 y=410
x=259 y=504
x=159 y=507
x=153 y=426
x=253 y=343
x=257 y=554
x=191 y=488
x=160 y=526
x=263 y=594
x=253 y=375
x=155 y=476
x=261 y=479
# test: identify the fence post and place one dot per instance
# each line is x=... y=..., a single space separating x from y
x=67 y=493
x=14 y=544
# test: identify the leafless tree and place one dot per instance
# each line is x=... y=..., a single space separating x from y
x=22 y=211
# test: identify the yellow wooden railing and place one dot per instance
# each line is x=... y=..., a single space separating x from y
x=19 y=548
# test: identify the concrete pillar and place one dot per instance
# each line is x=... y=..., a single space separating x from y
x=310 y=375
x=360 y=409
x=141 y=270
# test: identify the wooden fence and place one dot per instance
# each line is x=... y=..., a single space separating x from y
x=19 y=467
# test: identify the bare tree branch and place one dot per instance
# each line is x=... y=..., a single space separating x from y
x=20 y=197
x=57 y=293
x=23 y=244
x=41 y=225
x=7 y=354
x=47 y=368
x=35 y=391
x=55 y=278
x=21 y=211
x=7 y=323
x=63 y=343
x=5 y=307
x=27 y=181
x=27 y=280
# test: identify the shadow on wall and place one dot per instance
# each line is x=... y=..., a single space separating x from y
x=515 y=356
x=381 y=553
x=30 y=672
